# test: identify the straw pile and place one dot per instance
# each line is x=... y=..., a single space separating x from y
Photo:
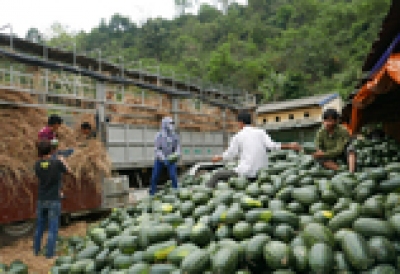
x=208 y=118
x=19 y=129
x=135 y=112
x=89 y=161
x=90 y=158
x=85 y=117
x=150 y=110
x=20 y=126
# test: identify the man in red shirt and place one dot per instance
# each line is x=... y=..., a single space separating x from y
x=49 y=132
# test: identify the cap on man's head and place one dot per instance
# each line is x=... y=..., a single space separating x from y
x=54 y=119
x=44 y=148
x=244 y=117
x=330 y=113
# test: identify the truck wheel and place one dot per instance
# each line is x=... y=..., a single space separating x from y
x=18 y=229
x=65 y=219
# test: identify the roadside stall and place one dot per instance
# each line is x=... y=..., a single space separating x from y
x=376 y=99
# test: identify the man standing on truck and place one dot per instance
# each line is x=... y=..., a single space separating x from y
x=250 y=145
x=167 y=153
x=49 y=172
x=49 y=133
x=87 y=132
x=333 y=143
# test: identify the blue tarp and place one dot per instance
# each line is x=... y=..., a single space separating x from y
x=385 y=56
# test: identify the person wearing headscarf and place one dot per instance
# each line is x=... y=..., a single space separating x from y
x=167 y=152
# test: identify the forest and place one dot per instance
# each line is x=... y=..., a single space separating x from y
x=282 y=49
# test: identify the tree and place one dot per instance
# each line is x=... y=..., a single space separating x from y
x=273 y=86
x=284 y=48
x=221 y=65
x=225 y=5
x=119 y=23
x=34 y=35
x=153 y=38
x=61 y=37
x=182 y=5
x=208 y=13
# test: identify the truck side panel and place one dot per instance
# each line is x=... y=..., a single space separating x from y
x=19 y=204
x=132 y=146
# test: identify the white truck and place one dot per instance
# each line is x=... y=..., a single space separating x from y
x=67 y=83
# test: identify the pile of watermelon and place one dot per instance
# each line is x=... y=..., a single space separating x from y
x=16 y=267
x=296 y=218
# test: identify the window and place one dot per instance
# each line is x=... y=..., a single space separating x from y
x=291 y=116
x=277 y=119
x=306 y=115
x=264 y=121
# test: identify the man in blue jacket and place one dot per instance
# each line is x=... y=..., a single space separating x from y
x=167 y=151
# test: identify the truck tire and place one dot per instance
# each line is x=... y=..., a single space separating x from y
x=65 y=219
x=18 y=229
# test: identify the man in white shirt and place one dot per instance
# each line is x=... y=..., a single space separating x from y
x=250 y=145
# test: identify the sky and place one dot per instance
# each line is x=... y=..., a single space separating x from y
x=79 y=14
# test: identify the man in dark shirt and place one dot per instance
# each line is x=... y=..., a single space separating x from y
x=87 y=131
x=49 y=172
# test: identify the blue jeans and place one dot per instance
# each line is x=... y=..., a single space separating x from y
x=172 y=170
x=47 y=211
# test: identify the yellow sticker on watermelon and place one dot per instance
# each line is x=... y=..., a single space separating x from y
x=327 y=214
x=167 y=208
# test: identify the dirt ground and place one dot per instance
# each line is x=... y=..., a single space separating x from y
x=21 y=249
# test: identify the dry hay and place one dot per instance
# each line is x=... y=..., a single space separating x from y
x=67 y=137
x=17 y=145
x=126 y=113
x=86 y=117
x=89 y=161
x=208 y=118
x=13 y=170
x=90 y=158
x=21 y=97
x=20 y=126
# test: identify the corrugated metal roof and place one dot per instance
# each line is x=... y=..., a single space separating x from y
x=388 y=32
x=317 y=100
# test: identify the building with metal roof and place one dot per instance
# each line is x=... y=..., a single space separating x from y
x=298 y=119
x=316 y=100
x=291 y=112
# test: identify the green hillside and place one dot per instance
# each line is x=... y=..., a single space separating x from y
x=283 y=48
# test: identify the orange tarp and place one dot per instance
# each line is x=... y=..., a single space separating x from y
x=383 y=81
